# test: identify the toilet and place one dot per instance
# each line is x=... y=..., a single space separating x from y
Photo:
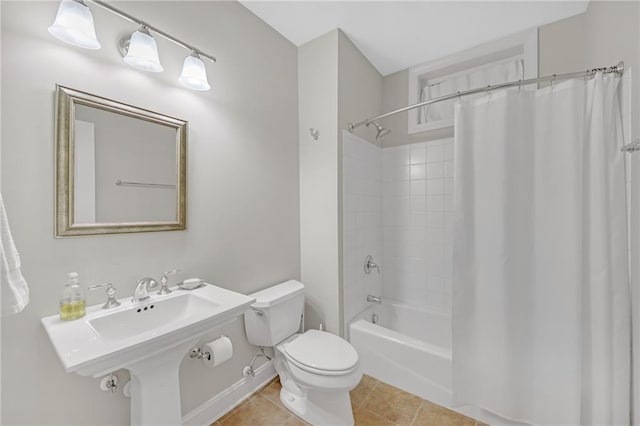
x=317 y=369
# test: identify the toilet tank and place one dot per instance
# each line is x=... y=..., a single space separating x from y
x=276 y=313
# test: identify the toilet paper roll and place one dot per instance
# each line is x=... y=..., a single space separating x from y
x=219 y=350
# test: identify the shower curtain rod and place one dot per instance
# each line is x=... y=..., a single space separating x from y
x=618 y=70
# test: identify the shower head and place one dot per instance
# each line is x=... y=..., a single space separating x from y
x=382 y=132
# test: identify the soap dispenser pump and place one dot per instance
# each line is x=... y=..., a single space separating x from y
x=72 y=302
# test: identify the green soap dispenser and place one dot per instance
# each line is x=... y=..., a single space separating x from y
x=72 y=302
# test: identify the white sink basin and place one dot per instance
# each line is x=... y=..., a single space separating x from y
x=148 y=338
x=150 y=317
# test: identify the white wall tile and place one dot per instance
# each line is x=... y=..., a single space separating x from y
x=418 y=224
x=402 y=173
x=402 y=157
x=448 y=151
x=435 y=171
x=435 y=153
x=418 y=204
x=435 y=203
x=418 y=171
x=402 y=188
x=418 y=155
x=418 y=187
x=368 y=192
x=448 y=169
x=435 y=186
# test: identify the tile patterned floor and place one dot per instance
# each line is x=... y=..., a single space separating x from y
x=374 y=404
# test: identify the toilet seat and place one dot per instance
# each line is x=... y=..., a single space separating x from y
x=322 y=353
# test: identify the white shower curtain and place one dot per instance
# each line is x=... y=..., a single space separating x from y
x=541 y=298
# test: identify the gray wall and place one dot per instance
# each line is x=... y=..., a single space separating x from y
x=318 y=109
x=243 y=220
x=607 y=32
x=337 y=84
x=359 y=88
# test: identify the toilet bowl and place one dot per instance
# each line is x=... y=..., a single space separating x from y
x=317 y=369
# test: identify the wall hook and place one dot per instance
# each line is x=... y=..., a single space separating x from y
x=315 y=134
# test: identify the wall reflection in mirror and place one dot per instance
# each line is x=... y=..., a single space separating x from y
x=120 y=168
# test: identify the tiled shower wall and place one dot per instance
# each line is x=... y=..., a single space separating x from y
x=362 y=221
x=398 y=207
x=417 y=218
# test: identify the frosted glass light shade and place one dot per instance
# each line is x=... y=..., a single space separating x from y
x=194 y=74
x=74 y=25
x=143 y=52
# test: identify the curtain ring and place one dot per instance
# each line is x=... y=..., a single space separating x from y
x=459 y=97
x=489 y=89
x=519 y=84
x=553 y=80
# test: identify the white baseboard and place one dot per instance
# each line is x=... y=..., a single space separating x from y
x=226 y=400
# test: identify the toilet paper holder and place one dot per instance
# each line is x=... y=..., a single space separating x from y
x=198 y=353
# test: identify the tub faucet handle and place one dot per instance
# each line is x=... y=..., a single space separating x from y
x=369 y=265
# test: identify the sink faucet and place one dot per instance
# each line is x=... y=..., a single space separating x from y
x=142 y=289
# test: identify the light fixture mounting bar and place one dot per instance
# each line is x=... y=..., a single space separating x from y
x=155 y=30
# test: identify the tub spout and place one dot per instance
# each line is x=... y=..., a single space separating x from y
x=374 y=299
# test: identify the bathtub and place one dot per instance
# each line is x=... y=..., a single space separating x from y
x=408 y=347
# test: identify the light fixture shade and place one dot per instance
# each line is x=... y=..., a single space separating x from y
x=194 y=74
x=143 y=52
x=74 y=25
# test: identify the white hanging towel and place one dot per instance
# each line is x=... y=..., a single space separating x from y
x=15 y=292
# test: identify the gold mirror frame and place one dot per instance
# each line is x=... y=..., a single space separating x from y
x=66 y=100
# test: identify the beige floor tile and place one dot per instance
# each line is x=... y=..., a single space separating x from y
x=272 y=392
x=374 y=404
x=392 y=403
x=294 y=421
x=434 y=415
x=236 y=408
x=259 y=411
x=362 y=391
x=364 y=417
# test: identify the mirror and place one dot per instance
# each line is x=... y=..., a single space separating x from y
x=119 y=168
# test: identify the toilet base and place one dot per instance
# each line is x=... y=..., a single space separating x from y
x=318 y=408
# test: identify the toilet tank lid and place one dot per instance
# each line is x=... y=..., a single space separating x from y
x=277 y=293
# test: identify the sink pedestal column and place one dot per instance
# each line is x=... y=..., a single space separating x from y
x=155 y=388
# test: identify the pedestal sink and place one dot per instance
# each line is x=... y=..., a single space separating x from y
x=148 y=338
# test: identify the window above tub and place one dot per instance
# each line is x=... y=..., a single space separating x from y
x=508 y=59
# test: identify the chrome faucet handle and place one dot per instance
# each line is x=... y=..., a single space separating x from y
x=142 y=289
x=369 y=265
x=111 y=295
x=164 y=281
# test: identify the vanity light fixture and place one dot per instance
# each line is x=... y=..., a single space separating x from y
x=141 y=51
x=194 y=74
x=74 y=25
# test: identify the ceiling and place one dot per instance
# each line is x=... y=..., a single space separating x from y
x=395 y=35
